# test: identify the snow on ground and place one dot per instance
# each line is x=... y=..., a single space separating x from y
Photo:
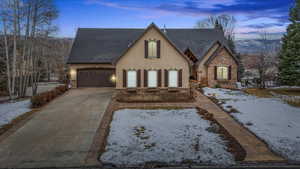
x=271 y=119
x=9 y=111
x=168 y=136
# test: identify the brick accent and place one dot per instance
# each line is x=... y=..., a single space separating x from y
x=223 y=58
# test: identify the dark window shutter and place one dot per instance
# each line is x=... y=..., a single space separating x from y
x=180 y=78
x=158 y=48
x=146 y=49
x=145 y=78
x=229 y=73
x=216 y=74
x=166 y=78
x=124 y=78
x=138 y=78
x=159 y=78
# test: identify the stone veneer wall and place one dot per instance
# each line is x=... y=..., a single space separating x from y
x=223 y=58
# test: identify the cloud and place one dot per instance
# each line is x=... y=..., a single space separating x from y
x=265 y=25
x=115 y=5
x=276 y=9
x=271 y=13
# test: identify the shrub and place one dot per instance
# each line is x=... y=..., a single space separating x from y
x=45 y=97
x=61 y=89
x=217 y=86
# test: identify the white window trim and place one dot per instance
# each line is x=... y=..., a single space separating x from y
x=173 y=82
x=134 y=83
x=221 y=75
x=154 y=83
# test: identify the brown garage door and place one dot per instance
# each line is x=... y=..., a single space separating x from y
x=95 y=78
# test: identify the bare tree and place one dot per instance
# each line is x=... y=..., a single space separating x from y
x=266 y=61
x=26 y=24
x=224 y=22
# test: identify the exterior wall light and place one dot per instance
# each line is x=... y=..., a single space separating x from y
x=113 y=78
x=73 y=74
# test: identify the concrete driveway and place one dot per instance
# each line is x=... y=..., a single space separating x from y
x=60 y=135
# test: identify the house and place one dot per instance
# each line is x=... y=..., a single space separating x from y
x=151 y=58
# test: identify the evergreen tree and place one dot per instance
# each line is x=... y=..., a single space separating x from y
x=289 y=64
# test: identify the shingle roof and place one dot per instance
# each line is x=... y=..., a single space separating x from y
x=93 y=45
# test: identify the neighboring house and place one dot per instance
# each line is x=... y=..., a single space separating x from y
x=151 y=58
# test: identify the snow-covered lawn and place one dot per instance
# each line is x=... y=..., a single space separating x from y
x=271 y=119
x=9 y=111
x=168 y=136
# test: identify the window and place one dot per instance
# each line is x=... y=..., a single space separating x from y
x=173 y=78
x=222 y=73
x=131 y=79
x=152 y=49
x=152 y=78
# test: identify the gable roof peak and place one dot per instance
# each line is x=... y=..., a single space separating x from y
x=152 y=25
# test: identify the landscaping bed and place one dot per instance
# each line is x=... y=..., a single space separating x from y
x=271 y=119
x=45 y=97
x=135 y=97
x=167 y=137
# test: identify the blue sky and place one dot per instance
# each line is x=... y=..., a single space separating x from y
x=252 y=16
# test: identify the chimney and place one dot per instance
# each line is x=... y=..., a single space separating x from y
x=164 y=29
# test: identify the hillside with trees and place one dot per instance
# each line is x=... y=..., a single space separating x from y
x=28 y=50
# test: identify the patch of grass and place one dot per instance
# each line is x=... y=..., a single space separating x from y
x=287 y=91
x=196 y=145
x=249 y=123
x=264 y=93
x=138 y=131
x=149 y=146
x=233 y=110
x=293 y=104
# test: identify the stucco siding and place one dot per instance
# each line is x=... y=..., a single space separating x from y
x=169 y=59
